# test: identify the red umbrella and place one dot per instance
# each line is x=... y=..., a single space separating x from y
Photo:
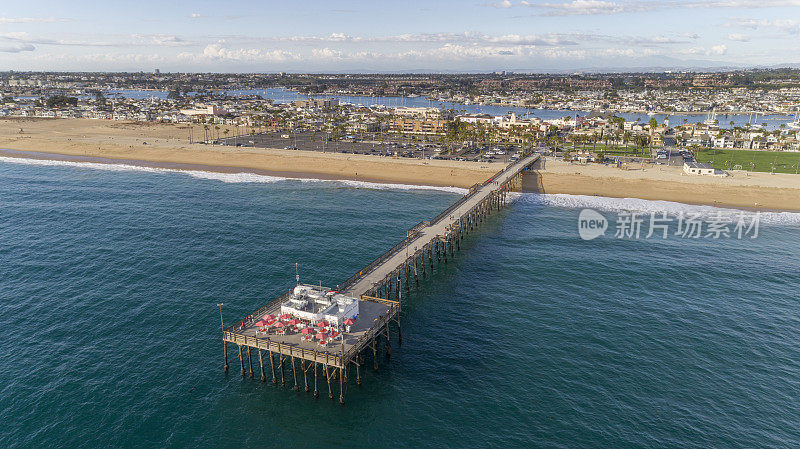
x=322 y=335
x=322 y=323
x=294 y=322
x=261 y=323
x=307 y=330
x=279 y=324
x=269 y=317
x=286 y=316
x=349 y=321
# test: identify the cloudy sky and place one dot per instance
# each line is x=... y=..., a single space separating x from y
x=378 y=35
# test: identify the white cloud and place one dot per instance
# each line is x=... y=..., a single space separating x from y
x=16 y=48
x=716 y=50
x=221 y=52
x=739 y=37
x=162 y=40
x=587 y=7
x=504 y=4
x=789 y=26
x=5 y=20
x=603 y=7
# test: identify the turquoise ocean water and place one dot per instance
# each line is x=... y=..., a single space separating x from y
x=109 y=280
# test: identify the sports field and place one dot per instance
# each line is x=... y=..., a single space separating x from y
x=764 y=161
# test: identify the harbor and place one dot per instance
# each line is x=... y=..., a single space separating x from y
x=317 y=336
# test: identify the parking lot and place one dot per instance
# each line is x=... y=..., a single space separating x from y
x=311 y=141
x=672 y=156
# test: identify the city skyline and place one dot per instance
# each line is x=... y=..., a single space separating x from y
x=447 y=36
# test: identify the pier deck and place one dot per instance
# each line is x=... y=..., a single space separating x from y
x=378 y=287
x=438 y=228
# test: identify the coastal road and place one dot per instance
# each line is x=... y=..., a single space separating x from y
x=431 y=232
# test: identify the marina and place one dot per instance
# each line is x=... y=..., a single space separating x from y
x=315 y=336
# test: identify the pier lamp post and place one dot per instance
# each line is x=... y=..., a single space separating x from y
x=224 y=343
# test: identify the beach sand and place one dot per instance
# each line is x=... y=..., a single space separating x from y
x=167 y=145
x=668 y=183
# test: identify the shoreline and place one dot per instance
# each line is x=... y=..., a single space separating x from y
x=190 y=168
x=756 y=191
x=553 y=183
x=165 y=146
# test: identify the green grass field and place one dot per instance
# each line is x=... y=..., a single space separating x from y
x=784 y=161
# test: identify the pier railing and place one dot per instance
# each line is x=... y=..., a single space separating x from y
x=384 y=301
x=383 y=320
x=411 y=235
x=485 y=183
x=260 y=311
x=455 y=205
x=283 y=348
x=382 y=258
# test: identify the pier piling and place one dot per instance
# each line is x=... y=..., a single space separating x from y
x=294 y=376
x=261 y=365
x=316 y=390
x=225 y=353
x=250 y=362
x=272 y=365
x=241 y=360
x=305 y=374
x=341 y=386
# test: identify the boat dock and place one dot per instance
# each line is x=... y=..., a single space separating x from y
x=378 y=287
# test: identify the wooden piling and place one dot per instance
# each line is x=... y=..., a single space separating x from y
x=305 y=374
x=399 y=332
x=241 y=360
x=261 y=365
x=328 y=377
x=250 y=362
x=294 y=376
x=280 y=367
x=375 y=354
x=272 y=366
x=225 y=353
x=341 y=385
x=316 y=390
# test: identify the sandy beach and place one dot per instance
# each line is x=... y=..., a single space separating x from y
x=668 y=183
x=168 y=144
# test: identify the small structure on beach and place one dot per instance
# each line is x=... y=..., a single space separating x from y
x=698 y=168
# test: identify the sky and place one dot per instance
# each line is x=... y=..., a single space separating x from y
x=396 y=36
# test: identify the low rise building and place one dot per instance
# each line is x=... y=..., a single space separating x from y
x=698 y=168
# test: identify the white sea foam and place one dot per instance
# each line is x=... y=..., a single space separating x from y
x=672 y=208
x=227 y=177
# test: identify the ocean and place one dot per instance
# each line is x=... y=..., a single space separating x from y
x=531 y=337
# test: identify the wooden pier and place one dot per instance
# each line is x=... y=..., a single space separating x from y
x=379 y=286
